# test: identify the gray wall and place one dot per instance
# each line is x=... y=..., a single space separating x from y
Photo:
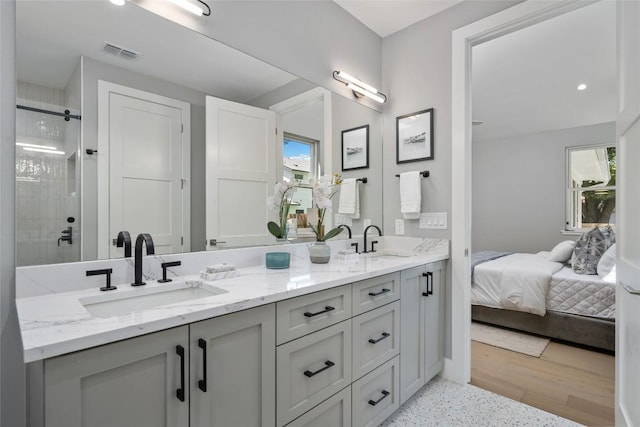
x=307 y=38
x=519 y=188
x=94 y=71
x=12 y=371
x=347 y=114
x=416 y=71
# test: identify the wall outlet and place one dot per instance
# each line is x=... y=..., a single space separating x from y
x=436 y=220
x=399 y=227
x=366 y=223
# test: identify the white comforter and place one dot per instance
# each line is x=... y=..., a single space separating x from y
x=515 y=282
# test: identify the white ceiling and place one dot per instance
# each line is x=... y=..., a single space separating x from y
x=386 y=17
x=522 y=83
x=526 y=82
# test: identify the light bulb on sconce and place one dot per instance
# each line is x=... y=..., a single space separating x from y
x=192 y=7
x=359 y=87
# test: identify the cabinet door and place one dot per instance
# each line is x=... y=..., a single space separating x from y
x=375 y=396
x=311 y=369
x=128 y=383
x=376 y=338
x=305 y=314
x=412 y=326
x=434 y=320
x=375 y=292
x=333 y=412
x=232 y=369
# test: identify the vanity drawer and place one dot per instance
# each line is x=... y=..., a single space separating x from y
x=375 y=292
x=311 y=369
x=375 y=396
x=333 y=412
x=302 y=315
x=376 y=338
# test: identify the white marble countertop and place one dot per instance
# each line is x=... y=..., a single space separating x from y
x=58 y=323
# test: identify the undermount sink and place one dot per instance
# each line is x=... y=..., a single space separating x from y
x=130 y=300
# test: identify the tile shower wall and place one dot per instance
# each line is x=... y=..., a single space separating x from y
x=44 y=190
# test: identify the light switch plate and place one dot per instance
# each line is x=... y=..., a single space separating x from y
x=434 y=220
x=399 y=227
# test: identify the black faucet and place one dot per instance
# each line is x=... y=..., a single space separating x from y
x=347 y=227
x=124 y=239
x=148 y=241
x=373 y=242
x=355 y=244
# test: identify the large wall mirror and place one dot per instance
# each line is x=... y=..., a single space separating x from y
x=127 y=149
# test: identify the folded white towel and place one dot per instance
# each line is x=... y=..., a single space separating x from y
x=349 y=198
x=410 y=195
x=219 y=268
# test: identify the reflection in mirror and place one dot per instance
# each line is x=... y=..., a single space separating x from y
x=64 y=51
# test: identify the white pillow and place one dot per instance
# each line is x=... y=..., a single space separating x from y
x=607 y=261
x=562 y=251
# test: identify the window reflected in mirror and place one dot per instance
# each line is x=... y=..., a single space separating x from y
x=300 y=162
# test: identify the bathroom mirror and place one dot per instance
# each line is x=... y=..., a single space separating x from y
x=64 y=49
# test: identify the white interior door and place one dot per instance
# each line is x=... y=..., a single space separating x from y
x=145 y=182
x=627 y=207
x=241 y=172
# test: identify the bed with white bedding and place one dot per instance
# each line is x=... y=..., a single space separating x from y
x=528 y=292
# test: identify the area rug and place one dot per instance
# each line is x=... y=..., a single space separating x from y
x=515 y=341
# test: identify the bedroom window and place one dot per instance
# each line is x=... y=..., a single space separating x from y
x=591 y=187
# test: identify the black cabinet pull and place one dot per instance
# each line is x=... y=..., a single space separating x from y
x=327 y=365
x=202 y=384
x=384 y=335
x=385 y=393
x=326 y=310
x=383 y=291
x=180 y=391
x=429 y=276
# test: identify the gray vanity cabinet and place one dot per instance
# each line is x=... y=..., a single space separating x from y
x=422 y=326
x=159 y=379
x=237 y=351
x=127 y=383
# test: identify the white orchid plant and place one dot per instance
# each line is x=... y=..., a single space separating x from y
x=281 y=202
x=323 y=189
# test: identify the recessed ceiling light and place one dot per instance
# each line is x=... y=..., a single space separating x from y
x=582 y=86
x=117 y=2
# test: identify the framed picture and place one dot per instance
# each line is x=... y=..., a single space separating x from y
x=414 y=137
x=355 y=148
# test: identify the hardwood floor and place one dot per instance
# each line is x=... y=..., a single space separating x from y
x=568 y=381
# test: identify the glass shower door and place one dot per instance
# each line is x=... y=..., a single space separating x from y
x=47 y=187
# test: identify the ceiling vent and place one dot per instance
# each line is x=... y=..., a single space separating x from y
x=120 y=51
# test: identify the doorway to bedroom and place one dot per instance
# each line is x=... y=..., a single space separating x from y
x=540 y=95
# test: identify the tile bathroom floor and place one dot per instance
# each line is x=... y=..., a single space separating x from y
x=448 y=404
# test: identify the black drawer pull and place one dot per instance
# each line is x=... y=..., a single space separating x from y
x=327 y=364
x=327 y=309
x=383 y=291
x=180 y=391
x=385 y=393
x=384 y=335
x=202 y=384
